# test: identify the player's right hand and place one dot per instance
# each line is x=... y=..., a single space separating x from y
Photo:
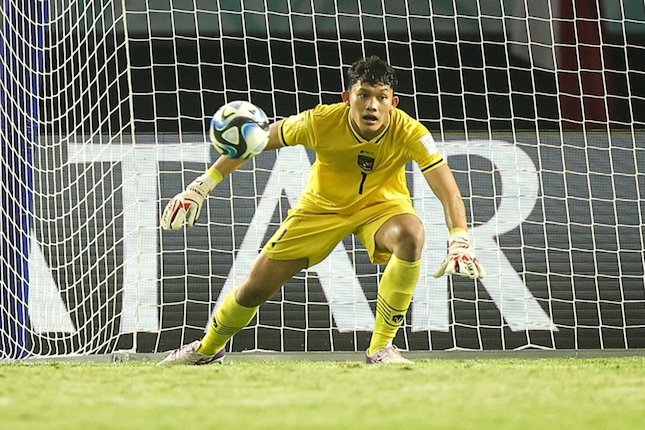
x=187 y=205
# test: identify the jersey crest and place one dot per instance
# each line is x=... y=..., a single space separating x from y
x=365 y=161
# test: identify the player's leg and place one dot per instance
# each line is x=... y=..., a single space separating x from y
x=402 y=236
x=302 y=240
x=241 y=304
x=237 y=310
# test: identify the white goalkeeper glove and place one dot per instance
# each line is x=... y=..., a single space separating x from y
x=187 y=205
x=461 y=259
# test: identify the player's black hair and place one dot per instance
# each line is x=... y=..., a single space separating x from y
x=372 y=70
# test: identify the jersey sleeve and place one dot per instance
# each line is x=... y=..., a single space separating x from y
x=423 y=149
x=298 y=130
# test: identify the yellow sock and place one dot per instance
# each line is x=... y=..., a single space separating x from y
x=394 y=296
x=230 y=318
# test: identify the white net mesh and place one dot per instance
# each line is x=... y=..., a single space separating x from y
x=104 y=112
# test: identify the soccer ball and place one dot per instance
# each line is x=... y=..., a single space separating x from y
x=239 y=130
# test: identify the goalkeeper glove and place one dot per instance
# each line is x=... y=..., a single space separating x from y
x=187 y=205
x=461 y=259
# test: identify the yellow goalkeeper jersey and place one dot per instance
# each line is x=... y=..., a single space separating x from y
x=351 y=173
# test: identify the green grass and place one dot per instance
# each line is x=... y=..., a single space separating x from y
x=433 y=394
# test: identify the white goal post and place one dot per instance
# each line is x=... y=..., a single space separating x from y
x=537 y=106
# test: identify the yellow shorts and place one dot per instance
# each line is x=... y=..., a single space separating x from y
x=314 y=235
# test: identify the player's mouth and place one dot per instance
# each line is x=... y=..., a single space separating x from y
x=370 y=119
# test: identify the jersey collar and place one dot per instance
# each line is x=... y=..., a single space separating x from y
x=375 y=140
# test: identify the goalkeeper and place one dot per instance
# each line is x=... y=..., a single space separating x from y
x=357 y=185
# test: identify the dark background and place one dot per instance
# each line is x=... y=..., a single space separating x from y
x=457 y=71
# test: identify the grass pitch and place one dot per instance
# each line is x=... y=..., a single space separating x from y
x=550 y=393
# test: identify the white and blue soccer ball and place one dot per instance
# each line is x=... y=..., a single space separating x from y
x=239 y=130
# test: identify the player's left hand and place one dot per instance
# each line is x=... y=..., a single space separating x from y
x=461 y=259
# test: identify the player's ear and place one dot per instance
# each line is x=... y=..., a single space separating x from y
x=345 y=97
x=395 y=101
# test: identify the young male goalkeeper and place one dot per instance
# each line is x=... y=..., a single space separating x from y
x=357 y=185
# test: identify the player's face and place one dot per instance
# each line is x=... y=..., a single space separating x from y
x=369 y=107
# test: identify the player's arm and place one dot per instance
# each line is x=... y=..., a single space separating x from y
x=274 y=136
x=445 y=187
x=461 y=258
x=187 y=205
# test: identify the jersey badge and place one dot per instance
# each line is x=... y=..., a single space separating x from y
x=365 y=161
x=429 y=144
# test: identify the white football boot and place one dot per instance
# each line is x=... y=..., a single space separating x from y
x=188 y=355
x=388 y=355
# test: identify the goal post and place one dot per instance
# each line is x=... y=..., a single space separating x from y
x=105 y=108
x=21 y=48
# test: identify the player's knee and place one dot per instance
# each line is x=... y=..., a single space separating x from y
x=409 y=241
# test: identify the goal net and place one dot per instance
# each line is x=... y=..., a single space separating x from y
x=105 y=106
